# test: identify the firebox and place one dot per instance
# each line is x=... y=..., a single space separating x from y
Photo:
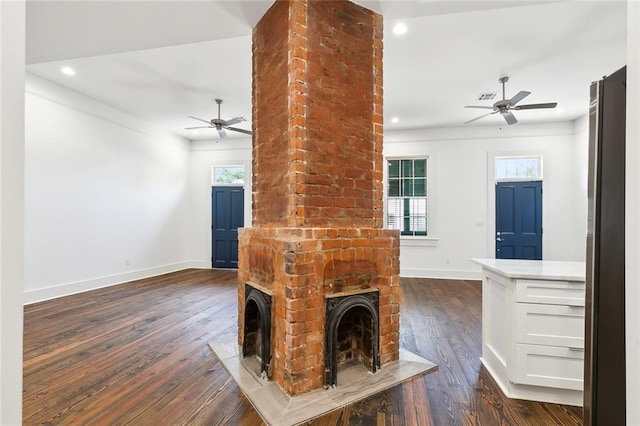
x=351 y=332
x=257 y=327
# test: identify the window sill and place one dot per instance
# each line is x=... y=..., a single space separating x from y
x=418 y=241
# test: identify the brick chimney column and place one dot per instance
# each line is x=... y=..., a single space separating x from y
x=317 y=115
x=317 y=179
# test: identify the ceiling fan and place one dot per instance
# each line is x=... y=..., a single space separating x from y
x=219 y=124
x=504 y=106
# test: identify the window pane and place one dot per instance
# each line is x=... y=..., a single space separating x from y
x=420 y=168
x=501 y=168
x=229 y=175
x=407 y=168
x=407 y=187
x=521 y=167
x=511 y=169
x=532 y=167
x=420 y=187
x=418 y=224
x=518 y=167
x=394 y=187
x=418 y=215
x=394 y=212
x=394 y=168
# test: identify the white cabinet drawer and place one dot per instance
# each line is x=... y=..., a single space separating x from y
x=550 y=292
x=549 y=366
x=552 y=325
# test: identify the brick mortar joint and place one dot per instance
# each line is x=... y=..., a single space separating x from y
x=297 y=34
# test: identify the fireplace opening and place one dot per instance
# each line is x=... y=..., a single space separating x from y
x=257 y=328
x=351 y=333
x=354 y=336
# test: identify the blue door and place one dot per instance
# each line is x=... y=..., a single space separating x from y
x=519 y=220
x=227 y=204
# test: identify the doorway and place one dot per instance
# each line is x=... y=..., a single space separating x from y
x=519 y=220
x=227 y=215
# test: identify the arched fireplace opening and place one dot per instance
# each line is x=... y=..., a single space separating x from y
x=257 y=328
x=351 y=333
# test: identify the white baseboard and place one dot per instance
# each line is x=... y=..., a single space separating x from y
x=41 y=294
x=450 y=274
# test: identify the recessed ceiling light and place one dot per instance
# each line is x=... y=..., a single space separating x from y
x=395 y=120
x=67 y=71
x=400 y=28
x=195 y=132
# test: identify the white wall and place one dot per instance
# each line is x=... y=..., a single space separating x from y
x=462 y=204
x=632 y=205
x=106 y=196
x=142 y=204
x=205 y=155
x=12 y=39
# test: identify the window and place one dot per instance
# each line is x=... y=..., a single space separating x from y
x=407 y=196
x=228 y=175
x=519 y=168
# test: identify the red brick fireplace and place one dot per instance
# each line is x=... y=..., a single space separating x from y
x=317 y=257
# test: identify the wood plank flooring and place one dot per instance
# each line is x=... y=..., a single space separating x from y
x=136 y=354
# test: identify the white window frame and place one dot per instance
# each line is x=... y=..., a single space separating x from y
x=539 y=177
x=427 y=196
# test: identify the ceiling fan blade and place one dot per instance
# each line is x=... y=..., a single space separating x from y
x=478 y=106
x=509 y=118
x=222 y=133
x=537 y=106
x=234 y=120
x=200 y=119
x=479 y=117
x=199 y=127
x=518 y=97
x=235 y=129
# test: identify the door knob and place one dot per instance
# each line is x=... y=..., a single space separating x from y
x=498 y=239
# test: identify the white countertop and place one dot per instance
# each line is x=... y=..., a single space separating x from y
x=535 y=269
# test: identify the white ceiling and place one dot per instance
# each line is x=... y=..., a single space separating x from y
x=162 y=61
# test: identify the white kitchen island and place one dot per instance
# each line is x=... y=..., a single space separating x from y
x=533 y=328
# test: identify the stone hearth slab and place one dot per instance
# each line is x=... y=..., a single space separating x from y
x=355 y=382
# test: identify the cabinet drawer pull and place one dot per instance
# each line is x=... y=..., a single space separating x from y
x=572 y=349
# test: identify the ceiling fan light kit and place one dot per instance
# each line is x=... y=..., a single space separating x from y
x=219 y=124
x=504 y=105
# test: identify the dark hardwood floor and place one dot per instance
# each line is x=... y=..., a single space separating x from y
x=137 y=354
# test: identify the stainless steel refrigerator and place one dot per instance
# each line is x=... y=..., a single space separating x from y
x=604 y=363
